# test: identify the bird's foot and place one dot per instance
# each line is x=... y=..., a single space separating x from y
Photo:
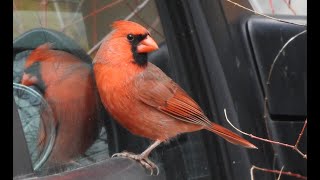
x=144 y=161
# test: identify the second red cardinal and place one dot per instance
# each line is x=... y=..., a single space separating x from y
x=141 y=97
x=69 y=88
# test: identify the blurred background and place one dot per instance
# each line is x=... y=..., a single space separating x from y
x=86 y=21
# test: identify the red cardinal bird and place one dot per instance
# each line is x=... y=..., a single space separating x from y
x=69 y=88
x=141 y=97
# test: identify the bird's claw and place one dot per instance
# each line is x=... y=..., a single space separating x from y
x=145 y=162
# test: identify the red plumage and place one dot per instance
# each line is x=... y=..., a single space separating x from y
x=69 y=88
x=141 y=97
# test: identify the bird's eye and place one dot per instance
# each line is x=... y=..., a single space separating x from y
x=130 y=37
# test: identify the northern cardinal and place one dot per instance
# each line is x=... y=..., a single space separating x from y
x=141 y=97
x=69 y=88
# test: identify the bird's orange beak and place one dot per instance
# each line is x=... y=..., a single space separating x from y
x=28 y=79
x=147 y=45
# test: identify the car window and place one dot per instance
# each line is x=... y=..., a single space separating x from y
x=280 y=7
x=76 y=27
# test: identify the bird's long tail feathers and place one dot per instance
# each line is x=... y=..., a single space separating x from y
x=230 y=136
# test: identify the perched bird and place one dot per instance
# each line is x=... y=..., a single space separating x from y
x=68 y=86
x=141 y=97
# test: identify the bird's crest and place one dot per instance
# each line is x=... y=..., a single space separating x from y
x=40 y=53
x=126 y=27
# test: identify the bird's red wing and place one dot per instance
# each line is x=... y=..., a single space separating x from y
x=182 y=107
x=157 y=90
x=154 y=88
